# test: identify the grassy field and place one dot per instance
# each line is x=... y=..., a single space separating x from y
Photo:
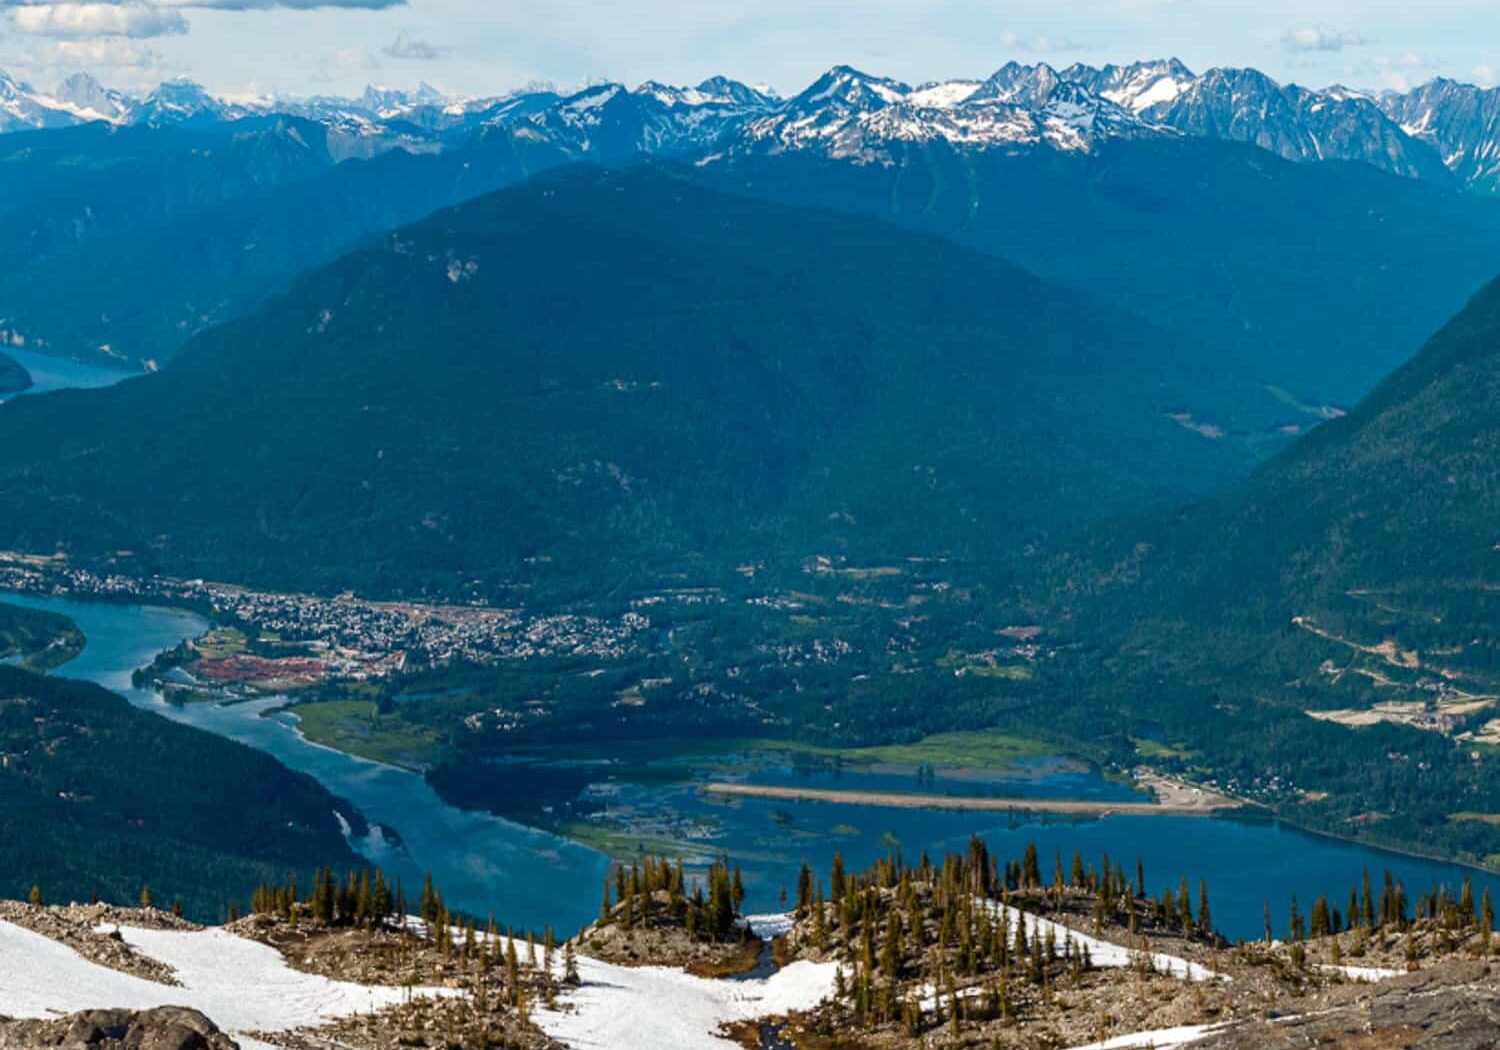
x=357 y=728
x=982 y=749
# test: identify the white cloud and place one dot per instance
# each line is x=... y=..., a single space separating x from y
x=77 y=21
x=1320 y=38
x=116 y=54
x=1396 y=71
x=411 y=48
x=292 y=5
x=1040 y=45
x=135 y=19
x=347 y=59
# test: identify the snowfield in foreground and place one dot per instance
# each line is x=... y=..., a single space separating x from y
x=243 y=986
x=630 y=1008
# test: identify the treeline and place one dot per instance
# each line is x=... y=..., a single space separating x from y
x=963 y=940
x=941 y=942
x=366 y=899
x=657 y=891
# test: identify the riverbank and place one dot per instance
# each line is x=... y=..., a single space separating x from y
x=1173 y=798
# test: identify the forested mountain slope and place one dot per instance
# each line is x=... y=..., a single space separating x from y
x=597 y=374
x=35 y=638
x=13 y=377
x=1318 y=279
x=132 y=241
x=1353 y=577
x=98 y=797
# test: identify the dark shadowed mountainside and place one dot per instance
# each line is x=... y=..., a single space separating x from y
x=597 y=375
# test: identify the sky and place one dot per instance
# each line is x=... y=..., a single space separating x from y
x=483 y=47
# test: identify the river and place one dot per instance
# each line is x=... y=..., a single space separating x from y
x=482 y=864
x=527 y=877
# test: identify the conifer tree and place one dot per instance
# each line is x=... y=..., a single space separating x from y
x=1486 y=921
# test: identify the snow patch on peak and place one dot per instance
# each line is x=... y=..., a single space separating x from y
x=943 y=94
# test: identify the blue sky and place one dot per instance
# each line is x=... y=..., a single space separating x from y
x=489 y=46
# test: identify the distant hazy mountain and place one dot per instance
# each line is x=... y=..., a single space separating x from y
x=1460 y=121
x=1148 y=184
x=595 y=374
x=168 y=231
x=1316 y=278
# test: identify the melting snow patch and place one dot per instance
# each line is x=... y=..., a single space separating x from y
x=1160 y=1039
x=241 y=985
x=768 y=926
x=627 y=1008
x=1368 y=974
x=1106 y=953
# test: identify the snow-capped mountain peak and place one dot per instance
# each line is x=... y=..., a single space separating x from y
x=89 y=100
x=1443 y=130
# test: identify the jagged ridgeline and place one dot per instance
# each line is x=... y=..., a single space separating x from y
x=600 y=374
x=191 y=209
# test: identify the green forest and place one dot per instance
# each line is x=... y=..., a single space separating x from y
x=37 y=640
x=98 y=799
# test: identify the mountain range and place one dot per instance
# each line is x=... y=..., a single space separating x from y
x=1443 y=130
x=1180 y=197
x=126 y=242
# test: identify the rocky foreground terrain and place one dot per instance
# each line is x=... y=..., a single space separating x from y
x=958 y=954
x=163 y=1028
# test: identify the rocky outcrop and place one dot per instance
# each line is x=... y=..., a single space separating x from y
x=1453 y=1006
x=90 y=930
x=164 y=1028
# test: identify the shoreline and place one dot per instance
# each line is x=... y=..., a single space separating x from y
x=1173 y=799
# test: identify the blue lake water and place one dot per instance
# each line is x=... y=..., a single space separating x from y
x=57 y=373
x=532 y=878
x=480 y=862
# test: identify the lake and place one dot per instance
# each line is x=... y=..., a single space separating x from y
x=531 y=878
x=58 y=373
